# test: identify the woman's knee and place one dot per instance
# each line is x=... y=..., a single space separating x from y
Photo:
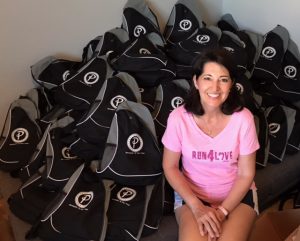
x=239 y=223
x=188 y=227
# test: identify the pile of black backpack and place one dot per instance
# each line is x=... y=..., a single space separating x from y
x=86 y=141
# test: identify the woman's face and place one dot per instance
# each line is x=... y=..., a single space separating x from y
x=213 y=84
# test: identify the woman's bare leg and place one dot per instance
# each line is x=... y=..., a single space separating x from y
x=188 y=227
x=239 y=224
x=236 y=228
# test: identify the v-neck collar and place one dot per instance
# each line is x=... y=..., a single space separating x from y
x=206 y=135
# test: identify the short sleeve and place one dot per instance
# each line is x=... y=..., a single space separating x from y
x=172 y=136
x=248 y=135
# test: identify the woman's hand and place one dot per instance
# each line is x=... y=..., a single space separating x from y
x=209 y=221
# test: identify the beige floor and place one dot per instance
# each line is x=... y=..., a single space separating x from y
x=5 y=228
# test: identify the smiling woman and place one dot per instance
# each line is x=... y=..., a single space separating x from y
x=215 y=137
x=213 y=84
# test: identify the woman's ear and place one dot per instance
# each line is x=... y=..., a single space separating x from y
x=195 y=81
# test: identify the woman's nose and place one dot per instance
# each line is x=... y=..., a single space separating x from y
x=215 y=85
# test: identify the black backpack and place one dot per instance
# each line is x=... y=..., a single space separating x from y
x=262 y=131
x=184 y=53
x=36 y=160
x=53 y=149
x=183 y=21
x=155 y=209
x=102 y=45
x=168 y=97
x=127 y=211
x=186 y=36
x=51 y=71
x=293 y=145
x=60 y=162
x=281 y=121
x=78 y=212
x=287 y=86
x=80 y=89
x=138 y=19
x=115 y=90
x=227 y=23
x=144 y=60
x=236 y=48
x=31 y=199
x=268 y=65
x=131 y=155
x=20 y=135
x=92 y=128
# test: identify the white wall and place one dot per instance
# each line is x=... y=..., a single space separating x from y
x=262 y=16
x=33 y=29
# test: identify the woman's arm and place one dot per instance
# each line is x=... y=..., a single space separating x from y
x=176 y=178
x=205 y=216
x=245 y=176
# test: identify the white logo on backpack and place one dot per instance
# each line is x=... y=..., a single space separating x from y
x=19 y=135
x=176 y=102
x=240 y=88
x=83 y=199
x=202 y=39
x=269 y=52
x=139 y=30
x=91 y=78
x=290 y=71
x=144 y=51
x=65 y=152
x=135 y=142
x=274 y=128
x=114 y=102
x=185 y=24
x=126 y=194
x=66 y=75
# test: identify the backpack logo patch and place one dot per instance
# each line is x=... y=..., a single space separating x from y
x=139 y=30
x=185 y=24
x=126 y=194
x=83 y=199
x=240 y=88
x=290 y=71
x=144 y=51
x=202 y=39
x=135 y=142
x=269 y=52
x=19 y=135
x=274 y=128
x=65 y=75
x=176 y=102
x=114 y=102
x=91 y=78
x=65 y=152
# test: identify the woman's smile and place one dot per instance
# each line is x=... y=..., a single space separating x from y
x=213 y=84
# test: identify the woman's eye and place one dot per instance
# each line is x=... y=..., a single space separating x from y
x=206 y=78
x=224 y=80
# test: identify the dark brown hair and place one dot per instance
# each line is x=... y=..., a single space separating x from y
x=234 y=101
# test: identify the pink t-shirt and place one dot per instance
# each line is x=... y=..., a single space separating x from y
x=210 y=163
